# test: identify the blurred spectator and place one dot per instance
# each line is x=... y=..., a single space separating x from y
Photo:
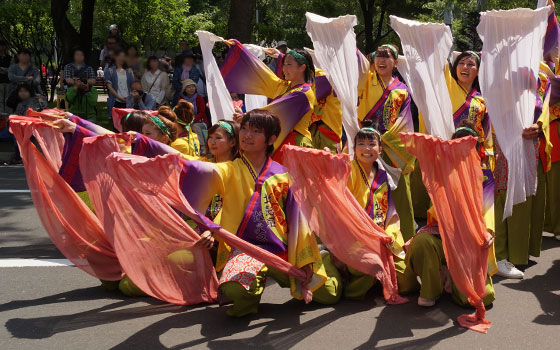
x=24 y=72
x=119 y=79
x=100 y=72
x=82 y=97
x=186 y=71
x=165 y=65
x=200 y=122
x=6 y=135
x=5 y=61
x=282 y=46
x=183 y=50
x=23 y=98
x=154 y=81
x=74 y=69
x=237 y=102
x=106 y=54
x=133 y=62
x=140 y=100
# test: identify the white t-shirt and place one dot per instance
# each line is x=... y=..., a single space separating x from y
x=123 y=86
x=159 y=87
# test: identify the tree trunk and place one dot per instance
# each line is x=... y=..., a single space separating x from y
x=240 y=20
x=367 y=12
x=66 y=32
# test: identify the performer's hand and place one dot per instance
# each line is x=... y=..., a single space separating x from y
x=229 y=42
x=532 y=132
x=64 y=125
x=308 y=269
x=132 y=136
x=489 y=242
x=272 y=52
x=206 y=240
x=238 y=115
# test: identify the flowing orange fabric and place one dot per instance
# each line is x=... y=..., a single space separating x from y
x=154 y=244
x=72 y=227
x=156 y=181
x=453 y=178
x=336 y=217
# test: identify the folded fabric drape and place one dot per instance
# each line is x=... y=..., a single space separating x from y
x=453 y=178
x=336 y=217
x=334 y=43
x=219 y=99
x=511 y=55
x=426 y=47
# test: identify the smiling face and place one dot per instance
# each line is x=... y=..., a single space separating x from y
x=153 y=132
x=252 y=140
x=292 y=69
x=367 y=151
x=220 y=144
x=467 y=71
x=190 y=90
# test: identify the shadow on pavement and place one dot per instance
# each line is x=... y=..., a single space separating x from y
x=545 y=287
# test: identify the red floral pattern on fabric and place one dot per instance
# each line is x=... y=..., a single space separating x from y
x=241 y=268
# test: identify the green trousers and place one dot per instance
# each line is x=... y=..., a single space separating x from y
x=520 y=235
x=403 y=205
x=425 y=257
x=359 y=283
x=552 y=211
x=420 y=199
x=320 y=140
x=246 y=302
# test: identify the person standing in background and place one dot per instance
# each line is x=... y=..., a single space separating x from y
x=5 y=61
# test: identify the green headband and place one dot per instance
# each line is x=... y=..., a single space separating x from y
x=227 y=127
x=474 y=54
x=164 y=129
x=469 y=130
x=390 y=47
x=179 y=121
x=300 y=57
x=371 y=130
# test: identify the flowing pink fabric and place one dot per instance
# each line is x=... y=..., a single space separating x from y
x=453 y=178
x=336 y=217
x=70 y=224
x=156 y=181
x=154 y=244
x=119 y=113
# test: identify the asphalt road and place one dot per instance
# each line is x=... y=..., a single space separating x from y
x=64 y=308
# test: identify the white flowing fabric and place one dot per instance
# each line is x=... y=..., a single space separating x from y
x=334 y=43
x=219 y=99
x=541 y=3
x=426 y=47
x=511 y=55
x=255 y=101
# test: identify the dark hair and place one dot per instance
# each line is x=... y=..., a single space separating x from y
x=465 y=123
x=25 y=86
x=116 y=38
x=168 y=113
x=456 y=64
x=265 y=121
x=24 y=51
x=184 y=111
x=309 y=74
x=235 y=137
x=133 y=121
x=364 y=134
x=117 y=52
x=385 y=51
x=131 y=46
x=150 y=59
x=77 y=48
x=168 y=123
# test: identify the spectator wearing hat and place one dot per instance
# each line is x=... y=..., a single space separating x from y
x=5 y=61
x=200 y=121
x=186 y=71
x=282 y=46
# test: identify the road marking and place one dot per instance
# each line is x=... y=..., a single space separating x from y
x=15 y=191
x=35 y=262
